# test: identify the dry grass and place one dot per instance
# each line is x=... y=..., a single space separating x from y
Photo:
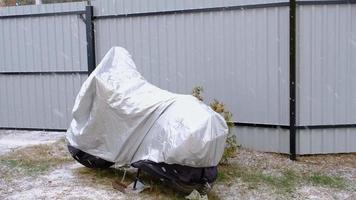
x=34 y=160
x=283 y=183
x=320 y=179
x=252 y=170
x=330 y=160
x=157 y=190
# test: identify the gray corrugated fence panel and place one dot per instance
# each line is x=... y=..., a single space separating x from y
x=38 y=101
x=326 y=89
x=327 y=49
x=40 y=44
x=321 y=141
x=43 y=8
x=51 y=43
x=240 y=57
x=115 y=7
x=263 y=139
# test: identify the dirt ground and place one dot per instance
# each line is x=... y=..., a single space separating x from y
x=36 y=165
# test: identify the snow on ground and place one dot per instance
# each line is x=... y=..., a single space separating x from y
x=63 y=183
x=70 y=180
x=13 y=139
x=337 y=165
x=312 y=192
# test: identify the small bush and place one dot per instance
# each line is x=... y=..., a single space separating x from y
x=219 y=107
x=197 y=92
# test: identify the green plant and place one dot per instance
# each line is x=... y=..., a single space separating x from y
x=219 y=107
x=284 y=183
x=328 y=181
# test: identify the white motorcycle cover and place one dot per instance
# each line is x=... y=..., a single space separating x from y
x=120 y=117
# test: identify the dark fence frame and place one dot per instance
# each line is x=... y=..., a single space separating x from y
x=89 y=18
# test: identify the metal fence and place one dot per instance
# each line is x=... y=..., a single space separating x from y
x=42 y=64
x=252 y=55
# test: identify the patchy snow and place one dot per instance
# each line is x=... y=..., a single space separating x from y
x=316 y=193
x=60 y=183
x=63 y=183
x=70 y=181
x=239 y=190
x=13 y=139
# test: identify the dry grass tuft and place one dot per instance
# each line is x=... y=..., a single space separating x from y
x=34 y=160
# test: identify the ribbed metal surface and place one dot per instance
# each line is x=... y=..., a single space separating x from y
x=43 y=8
x=40 y=44
x=114 y=7
x=263 y=139
x=239 y=57
x=327 y=95
x=327 y=49
x=38 y=101
x=341 y=140
x=51 y=43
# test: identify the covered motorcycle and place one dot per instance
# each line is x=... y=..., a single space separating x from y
x=119 y=117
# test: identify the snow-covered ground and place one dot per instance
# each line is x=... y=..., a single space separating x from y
x=63 y=183
x=67 y=179
x=13 y=139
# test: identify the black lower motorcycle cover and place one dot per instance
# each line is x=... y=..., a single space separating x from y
x=87 y=159
x=182 y=178
x=180 y=173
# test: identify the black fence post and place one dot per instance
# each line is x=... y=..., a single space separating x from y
x=292 y=79
x=90 y=38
